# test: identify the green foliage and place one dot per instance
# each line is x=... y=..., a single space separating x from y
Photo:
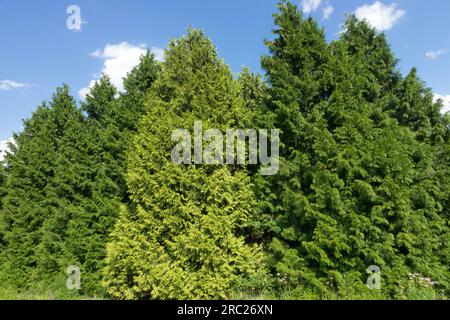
x=180 y=237
x=364 y=179
x=65 y=183
x=358 y=183
x=41 y=182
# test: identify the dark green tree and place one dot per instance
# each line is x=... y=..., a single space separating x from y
x=21 y=217
x=66 y=183
x=355 y=186
x=34 y=215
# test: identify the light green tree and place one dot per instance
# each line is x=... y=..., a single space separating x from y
x=179 y=238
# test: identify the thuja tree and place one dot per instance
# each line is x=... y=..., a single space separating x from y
x=180 y=236
x=354 y=187
x=43 y=175
x=421 y=218
x=131 y=108
x=87 y=231
x=66 y=183
x=111 y=121
x=21 y=216
x=68 y=187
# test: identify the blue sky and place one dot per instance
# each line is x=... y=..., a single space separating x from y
x=39 y=52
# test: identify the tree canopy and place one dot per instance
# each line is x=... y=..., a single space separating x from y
x=364 y=178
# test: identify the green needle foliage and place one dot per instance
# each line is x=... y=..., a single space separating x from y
x=111 y=123
x=364 y=178
x=359 y=183
x=44 y=177
x=179 y=239
x=65 y=182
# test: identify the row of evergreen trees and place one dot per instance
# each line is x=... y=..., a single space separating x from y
x=364 y=178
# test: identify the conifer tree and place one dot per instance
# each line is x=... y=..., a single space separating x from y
x=131 y=107
x=178 y=238
x=371 y=56
x=98 y=203
x=352 y=185
x=67 y=188
x=255 y=94
x=48 y=179
x=110 y=124
x=60 y=207
x=137 y=84
x=21 y=217
x=364 y=177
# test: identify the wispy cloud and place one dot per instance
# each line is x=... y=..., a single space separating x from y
x=7 y=85
x=380 y=16
x=309 y=6
x=435 y=54
x=120 y=59
x=327 y=12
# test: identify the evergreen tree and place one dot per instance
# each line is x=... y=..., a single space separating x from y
x=60 y=206
x=255 y=95
x=67 y=188
x=97 y=203
x=178 y=239
x=371 y=56
x=29 y=171
x=137 y=84
x=354 y=187
x=110 y=124
x=364 y=177
x=48 y=176
x=131 y=107
x=2 y=195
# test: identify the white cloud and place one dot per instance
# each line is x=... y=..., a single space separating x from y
x=445 y=100
x=84 y=91
x=6 y=85
x=119 y=59
x=4 y=147
x=158 y=52
x=310 y=5
x=327 y=12
x=380 y=16
x=435 y=54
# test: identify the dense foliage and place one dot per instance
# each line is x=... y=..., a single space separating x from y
x=364 y=178
x=359 y=184
x=180 y=237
